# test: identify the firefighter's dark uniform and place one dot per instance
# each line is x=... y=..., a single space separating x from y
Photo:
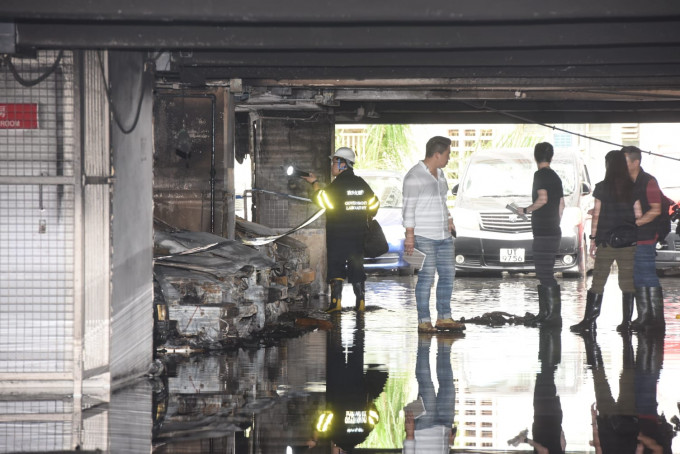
x=349 y=202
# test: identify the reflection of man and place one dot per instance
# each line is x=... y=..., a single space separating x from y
x=547 y=426
x=433 y=432
x=648 y=294
x=429 y=227
x=350 y=412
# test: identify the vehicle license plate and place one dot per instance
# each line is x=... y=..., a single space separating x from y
x=512 y=255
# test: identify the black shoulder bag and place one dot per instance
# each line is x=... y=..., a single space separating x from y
x=375 y=243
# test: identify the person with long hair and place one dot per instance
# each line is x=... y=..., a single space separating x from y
x=613 y=212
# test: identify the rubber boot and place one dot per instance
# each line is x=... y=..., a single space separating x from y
x=656 y=319
x=542 y=304
x=360 y=292
x=336 y=296
x=549 y=346
x=627 y=350
x=642 y=303
x=593 y=352
x=649 y=357
x=593 y=306
x=627 y=300
x=554 y=307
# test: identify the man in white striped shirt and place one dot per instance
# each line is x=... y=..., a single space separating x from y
x=429 y=228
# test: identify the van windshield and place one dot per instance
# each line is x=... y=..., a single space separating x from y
x=511 y=176
x=387 y=188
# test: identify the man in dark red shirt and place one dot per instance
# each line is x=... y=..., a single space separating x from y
x=647 y=196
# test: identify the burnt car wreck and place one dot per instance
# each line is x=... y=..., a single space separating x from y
x=214 y=293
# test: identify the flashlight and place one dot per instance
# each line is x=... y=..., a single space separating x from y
x=291 y=171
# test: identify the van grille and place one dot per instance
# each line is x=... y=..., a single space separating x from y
x=505 y=222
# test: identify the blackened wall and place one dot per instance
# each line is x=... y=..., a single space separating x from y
x=306 y=141
x=191 y=161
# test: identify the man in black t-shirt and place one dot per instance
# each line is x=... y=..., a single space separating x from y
x=547 y=207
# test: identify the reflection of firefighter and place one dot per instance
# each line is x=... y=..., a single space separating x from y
x=350 y=412
x=349 y=202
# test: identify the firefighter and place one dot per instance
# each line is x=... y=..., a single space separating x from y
x=349 y=203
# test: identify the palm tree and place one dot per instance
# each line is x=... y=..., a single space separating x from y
x=385 y=147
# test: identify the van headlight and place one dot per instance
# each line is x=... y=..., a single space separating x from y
x=465 y=219
x=571 y=220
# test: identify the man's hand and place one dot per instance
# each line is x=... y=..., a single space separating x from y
x=410 y=425
x=310 y=179
x=409 y=244
x=409 y=241
x=649 y=443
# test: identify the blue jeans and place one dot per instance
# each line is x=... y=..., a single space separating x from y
x=438 y=258
x=644 y=266
x=440 y=406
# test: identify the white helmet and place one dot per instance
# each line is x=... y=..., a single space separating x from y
x=345 y=153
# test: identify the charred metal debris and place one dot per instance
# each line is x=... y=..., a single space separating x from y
x=212 y=293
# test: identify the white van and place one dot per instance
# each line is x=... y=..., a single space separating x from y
x=491 y=238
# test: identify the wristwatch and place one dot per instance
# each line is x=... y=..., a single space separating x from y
x=592 y=237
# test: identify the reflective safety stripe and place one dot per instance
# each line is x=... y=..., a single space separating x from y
x=373 y=417
x=324 y=421
x=323 y=200
x=373 y=203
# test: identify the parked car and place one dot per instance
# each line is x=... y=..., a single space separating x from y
x=492 y=238
x=387 y=185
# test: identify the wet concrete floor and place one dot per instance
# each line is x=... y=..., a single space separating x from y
x=491 y=383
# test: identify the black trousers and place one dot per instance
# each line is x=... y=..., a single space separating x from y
x=545 y=251
x=346 y=257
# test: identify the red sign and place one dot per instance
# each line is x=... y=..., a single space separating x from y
x=18 y=116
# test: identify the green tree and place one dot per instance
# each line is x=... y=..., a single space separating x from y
x=386 y=147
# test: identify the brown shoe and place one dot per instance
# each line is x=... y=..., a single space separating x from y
x=449 y=324
x=448 y=337
x=426 y=327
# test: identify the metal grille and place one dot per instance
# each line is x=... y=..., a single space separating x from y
x=36 y=219
x=50 y=431
x=505 y=222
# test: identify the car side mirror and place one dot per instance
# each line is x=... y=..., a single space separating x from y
x=454 y=190
x=585 y=189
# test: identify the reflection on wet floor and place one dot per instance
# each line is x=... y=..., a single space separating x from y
x=503 y=387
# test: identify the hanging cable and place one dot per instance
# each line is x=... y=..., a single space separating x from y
x=112 y=107
x=553 y=127
x=34 y=82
